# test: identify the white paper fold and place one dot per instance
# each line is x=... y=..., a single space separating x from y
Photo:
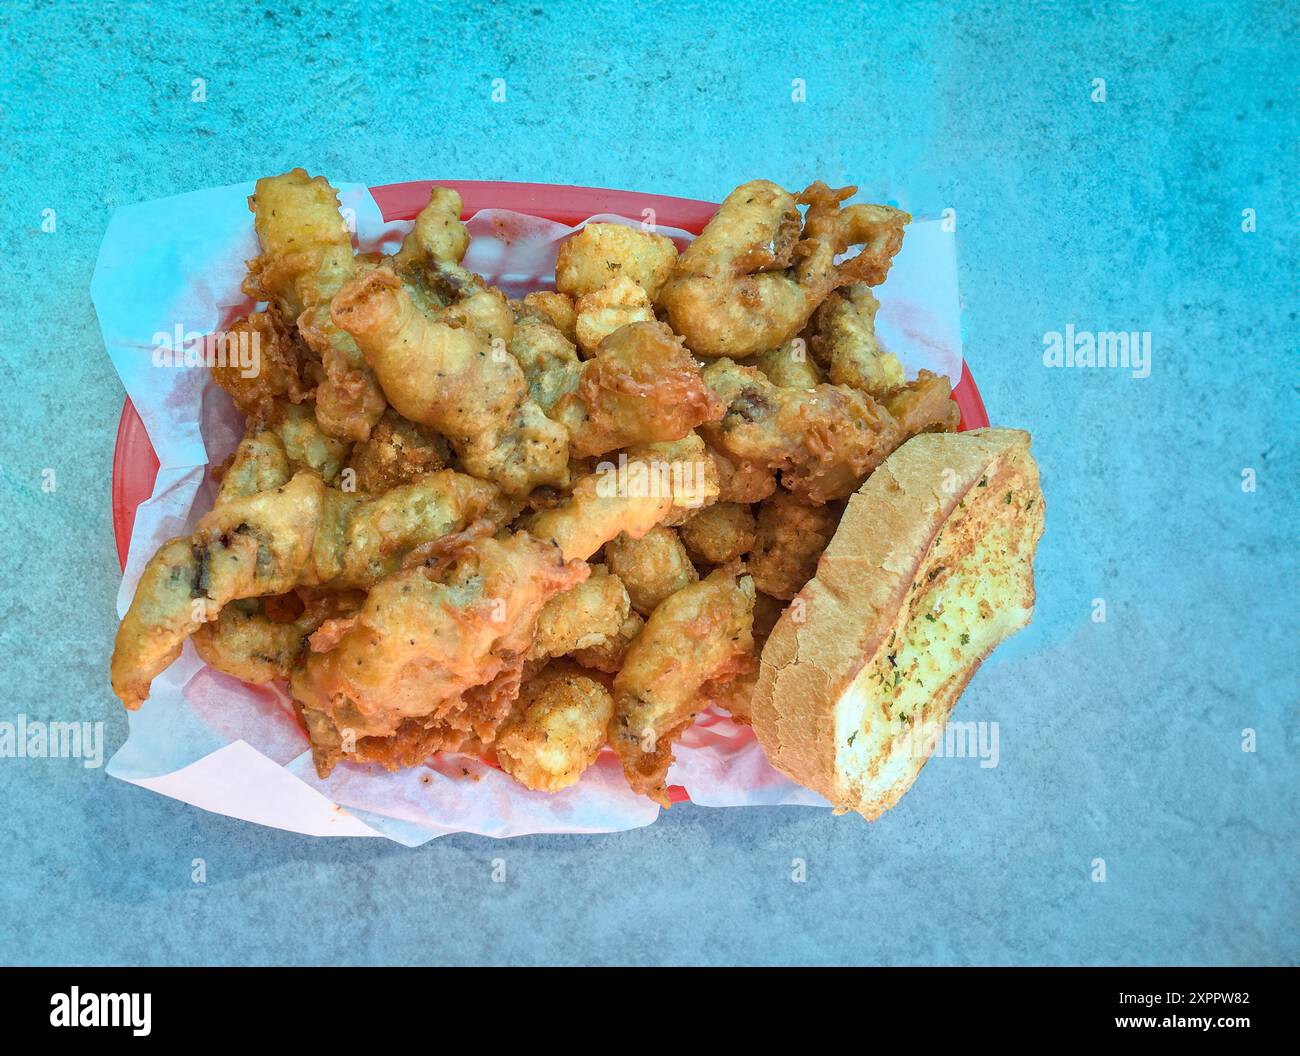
x=175 y=265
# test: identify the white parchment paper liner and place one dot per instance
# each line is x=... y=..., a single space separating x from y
x=212 y=741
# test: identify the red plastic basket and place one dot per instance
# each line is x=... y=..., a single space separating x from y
x=135 y=465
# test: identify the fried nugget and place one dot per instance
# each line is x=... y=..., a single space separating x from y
x=548 y=359
x=259 y=463
x=738 y=289
x=398 y=452
x=699 y=635
x=558 y=309
x=556 y=728
x=924 y=405
x=651 y=567
x=288 y=440
x=438 y=234
x=604 y=310
x=306 y=444
x=750 y=282
x=440 y=643
x=740 y=480
x=587 y=616
x=641 y=387
x=600 y=253
x=789 y=541
x=306 y=246
x=266 y=362
x=609 y=655
x=719 y=534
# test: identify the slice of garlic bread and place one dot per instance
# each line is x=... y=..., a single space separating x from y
x=931 y=567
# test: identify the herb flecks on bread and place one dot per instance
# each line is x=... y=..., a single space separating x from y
x=931 y=568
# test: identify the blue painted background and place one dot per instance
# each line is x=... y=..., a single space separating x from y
x=1120 y=740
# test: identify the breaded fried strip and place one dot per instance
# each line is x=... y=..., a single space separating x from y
x=306 y=258
x=641 y=387
x=826 y=440
x=700 y=634
x=299 y=534
x=440 y=643
x=255 y=545
x=260 y=639
x=453 y=379
x=599 y=253
x=656 y=484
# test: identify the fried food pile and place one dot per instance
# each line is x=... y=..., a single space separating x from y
x=532 y=528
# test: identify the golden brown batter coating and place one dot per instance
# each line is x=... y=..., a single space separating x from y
x=641 y=387
x=845 y=342
x=456 y=380
x=300 y=533
x=556 y=728
x=652 y=567
x=656 y=484
x=260 y=639
x=790 y=538
x=791 y=366
x=558 y=309
x=719 y=533
x=587 y=616
x=608 y=657
x=603 y=311
x=824 y=441
x=440 y=643
x=398 y=452
x=265 y=363
x=306 y=258
x=698 y=635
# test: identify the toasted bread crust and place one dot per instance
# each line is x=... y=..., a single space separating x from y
x=841 y=619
